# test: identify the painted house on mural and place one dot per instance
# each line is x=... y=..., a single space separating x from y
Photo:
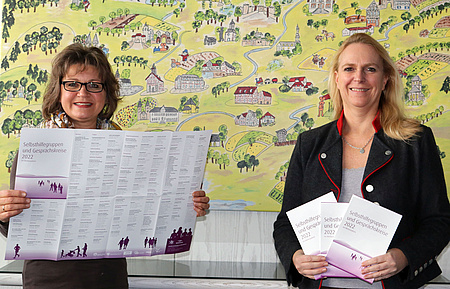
x=247 y=119
x=215 y=140
x=125 y=86
x=320 y=6
x=162 y=39
x=258 y=12
x=289 y=45
x=373 y=15
x=299 y=84
x=400 y=4
x=189 y=82
x=258 y=39
x=213 y=70
x=281 y=135
x=352 y=30
x=230 y=34
x=267 y=119
x=416 y=94
x=138 y=41
x=190 y=107
x=143 y=110
x=251 y=95
x=209 y=40
x=123 y=82
x=164 y=114
x=154 y=83
x=300 y=87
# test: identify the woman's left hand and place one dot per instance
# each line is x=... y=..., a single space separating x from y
x=201 y=202
x=385 y=266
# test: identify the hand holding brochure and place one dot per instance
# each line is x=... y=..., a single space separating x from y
x=347 y=234
x=365 y=232
x=307 y=223
x=106 y=194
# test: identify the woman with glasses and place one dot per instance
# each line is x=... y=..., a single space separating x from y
x=82 y=93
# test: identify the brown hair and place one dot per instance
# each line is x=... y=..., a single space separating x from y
x=393 y=119
x=79 y=54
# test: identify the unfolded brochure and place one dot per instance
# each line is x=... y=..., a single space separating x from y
x=365 y=232
x=106 y=194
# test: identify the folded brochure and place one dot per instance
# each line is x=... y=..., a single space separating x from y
x=347 y=234
x=365 y=232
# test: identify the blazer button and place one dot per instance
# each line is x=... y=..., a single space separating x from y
x=369 y=188
x=416 y=273
x=323 y=155
x=420 y=269
x=376 y=203
x=388 y=152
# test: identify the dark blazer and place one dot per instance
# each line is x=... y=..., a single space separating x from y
x=404 y=177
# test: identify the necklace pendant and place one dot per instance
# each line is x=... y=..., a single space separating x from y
x=362 y=151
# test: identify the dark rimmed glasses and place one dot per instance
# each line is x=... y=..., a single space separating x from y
x=74 y=86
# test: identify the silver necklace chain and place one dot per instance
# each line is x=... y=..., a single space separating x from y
x=361 y=150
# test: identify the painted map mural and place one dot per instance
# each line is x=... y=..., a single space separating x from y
x=252 y=71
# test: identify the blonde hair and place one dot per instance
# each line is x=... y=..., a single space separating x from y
x=77 y=54
x=393 y=119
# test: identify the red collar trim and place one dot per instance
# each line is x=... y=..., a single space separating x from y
x=340 y=122
x=375 y=123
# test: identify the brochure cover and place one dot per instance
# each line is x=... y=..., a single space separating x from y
x=306 y=220
x=365 y=232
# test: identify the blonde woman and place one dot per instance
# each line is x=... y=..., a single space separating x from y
x=374 y=151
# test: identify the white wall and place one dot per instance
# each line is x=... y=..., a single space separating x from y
x=233 y=236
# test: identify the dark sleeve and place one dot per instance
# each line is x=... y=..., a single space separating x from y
x=286 y=243
x=433 y=215
x=12 y=182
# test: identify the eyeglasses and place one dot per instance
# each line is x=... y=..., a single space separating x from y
x=74 y=86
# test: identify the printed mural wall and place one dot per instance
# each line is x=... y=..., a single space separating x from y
x=254 y=72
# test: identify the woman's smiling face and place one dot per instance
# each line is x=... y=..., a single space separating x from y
x=82 y=107
x=360 y=76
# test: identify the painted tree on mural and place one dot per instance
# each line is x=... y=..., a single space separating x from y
x=446 y=85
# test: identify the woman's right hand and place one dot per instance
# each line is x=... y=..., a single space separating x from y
x=12 y=203
x=309 y=265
